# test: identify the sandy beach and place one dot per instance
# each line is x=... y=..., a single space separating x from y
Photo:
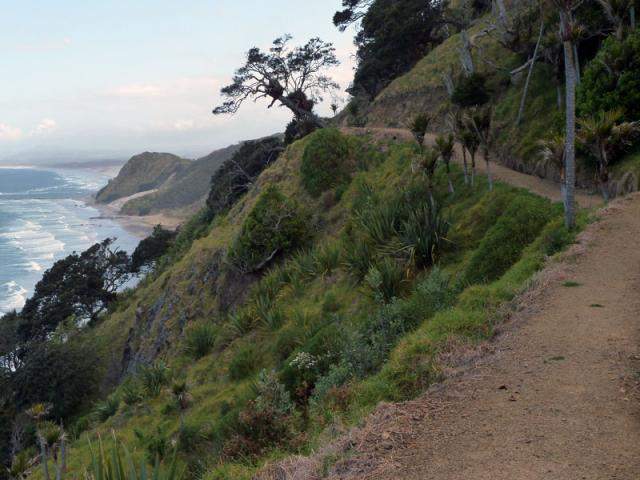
x=140 y=226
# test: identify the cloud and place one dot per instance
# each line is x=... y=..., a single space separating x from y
x=184 y=125
x=45 y=127
x=9 y=133
x=59 y=44
x=137 y=91
x=171 y=88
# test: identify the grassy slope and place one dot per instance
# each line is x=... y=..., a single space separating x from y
x=314 y=303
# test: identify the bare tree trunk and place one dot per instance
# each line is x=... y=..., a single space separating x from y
x=632 y=16
x=465 y=54
x=576 y=59
x=559 y=95
x=603 y=174
x=526 y=83
x=43 y=459
x=448 y=83
x=465 y=167
x=451 y=189
x=473 y=169
x=62 y=463
x=570 y=134
x=488 y=163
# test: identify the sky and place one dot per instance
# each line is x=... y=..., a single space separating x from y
x=87 y=79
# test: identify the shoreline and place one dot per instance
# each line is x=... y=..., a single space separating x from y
x=138 y=226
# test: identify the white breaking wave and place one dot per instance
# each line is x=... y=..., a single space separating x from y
x=14 y=297
x=33 y=267
x=36 y=242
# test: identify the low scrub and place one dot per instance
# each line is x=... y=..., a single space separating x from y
x=277 y=225
x=200 y=339
x=503 y=244
x=327 y=161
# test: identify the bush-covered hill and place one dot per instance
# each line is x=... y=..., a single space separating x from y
x=607 y=85
x=143 y=172
x=186 y=190
x=305 y=304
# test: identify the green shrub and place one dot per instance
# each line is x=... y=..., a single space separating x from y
x=424 y=234
x=612 y=79
x=156 y=443
x=244 y=363
x=504 y=242
x=470 y=91
x=275 y=226
x=272 y=319
x=337 y=376
x=239 y=323
x=326 y=161
x=190 y=436
x=288 y=340
x=131 y=392
x=199 y=340
x=358 y=253
x=386 y=279
x=369 y=347
x=153 y=378
x=107 y=408
x=112 y=466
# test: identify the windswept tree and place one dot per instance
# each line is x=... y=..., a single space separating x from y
x=601 y=134
x=80 y=286
x=293 y=77
x=352 y=12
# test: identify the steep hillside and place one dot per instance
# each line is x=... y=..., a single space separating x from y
x=143 y=172
x=185 y=191
x=310 y=301
x=423 y=90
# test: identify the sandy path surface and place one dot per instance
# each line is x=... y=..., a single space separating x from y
x=556 y=399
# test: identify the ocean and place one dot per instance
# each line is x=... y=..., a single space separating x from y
x=44 y=217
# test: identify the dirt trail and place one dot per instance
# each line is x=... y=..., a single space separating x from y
x=543 y=187
x=556 y=399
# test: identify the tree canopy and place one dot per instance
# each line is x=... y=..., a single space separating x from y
x=290 y=76
x=79 y=286
x=393 y=36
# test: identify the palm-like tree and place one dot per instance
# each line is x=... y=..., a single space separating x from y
x=601 y=132
x=426 y=163
x=419 y=126
x=552 y=151
x=51 y=437
x=444 y=146
x=479 y=121
x=458 y=127
x=471 y=144
x=180 y=391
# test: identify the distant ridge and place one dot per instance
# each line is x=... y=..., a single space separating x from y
x=143 y=172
